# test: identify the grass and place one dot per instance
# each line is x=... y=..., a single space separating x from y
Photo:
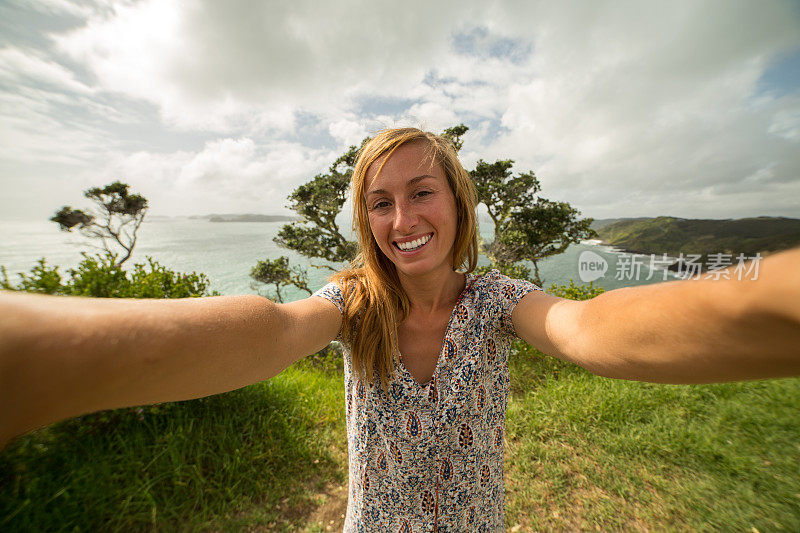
x=582 y=453
x=253 y=458
x=585 y=452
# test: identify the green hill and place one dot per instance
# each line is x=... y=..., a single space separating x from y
x=598 y=223
x=673 y=235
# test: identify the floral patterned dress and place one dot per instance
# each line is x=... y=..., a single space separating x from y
x=430 y=457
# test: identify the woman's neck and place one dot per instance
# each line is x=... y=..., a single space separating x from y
x=433 y=292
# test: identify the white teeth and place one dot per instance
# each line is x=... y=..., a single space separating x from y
x=413 y=245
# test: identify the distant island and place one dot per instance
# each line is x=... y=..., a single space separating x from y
x=249 y=217
x=673 y=235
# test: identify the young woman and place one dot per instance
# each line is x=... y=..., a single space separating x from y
x=426 y=343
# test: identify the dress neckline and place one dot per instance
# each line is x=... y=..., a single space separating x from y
x=469 y=278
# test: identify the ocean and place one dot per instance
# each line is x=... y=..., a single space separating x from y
x=226 y=251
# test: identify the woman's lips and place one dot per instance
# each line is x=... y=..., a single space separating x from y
x=425 y=239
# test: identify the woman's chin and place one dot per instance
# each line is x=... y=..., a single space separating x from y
x=422 y=268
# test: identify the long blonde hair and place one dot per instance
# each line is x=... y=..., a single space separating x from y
x=375 y=302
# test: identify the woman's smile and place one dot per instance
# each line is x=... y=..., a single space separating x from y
x=413 y=244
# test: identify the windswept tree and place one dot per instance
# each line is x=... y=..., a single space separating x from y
x=317 y=234
x=526 y=226
x=115 y=219
x=277 y=272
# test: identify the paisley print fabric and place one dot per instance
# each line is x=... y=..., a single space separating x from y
x=429 y=457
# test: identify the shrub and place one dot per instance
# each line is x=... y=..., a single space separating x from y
x=575 y=292
x=101 y=277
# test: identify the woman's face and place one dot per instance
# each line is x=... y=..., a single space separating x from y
x=412 y=211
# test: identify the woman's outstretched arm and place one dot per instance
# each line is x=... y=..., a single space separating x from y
x=694 y=331
x=65 y=356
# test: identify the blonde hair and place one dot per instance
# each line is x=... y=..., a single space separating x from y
x=375 y=302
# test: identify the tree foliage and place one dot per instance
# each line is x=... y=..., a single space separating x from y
x=317 y=234
x=454 y=135
x=278 y=273
x=527 y=227
x=101 y=276
x=575 y=292
x=115 y=209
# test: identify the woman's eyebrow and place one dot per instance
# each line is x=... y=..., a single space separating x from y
x=412 y=181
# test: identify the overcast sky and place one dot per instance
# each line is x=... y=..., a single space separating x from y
x=688 y=109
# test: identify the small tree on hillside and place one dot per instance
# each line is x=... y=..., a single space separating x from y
x=116 y=208
x=526 y=227
x=277 y=272
x=317 y=234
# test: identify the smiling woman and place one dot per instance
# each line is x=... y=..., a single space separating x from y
x=426 y=343
x=410 y=187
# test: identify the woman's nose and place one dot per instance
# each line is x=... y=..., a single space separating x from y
x=404 y=219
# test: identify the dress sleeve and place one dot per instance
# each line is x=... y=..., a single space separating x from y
x=509 y=292
x=333 y=293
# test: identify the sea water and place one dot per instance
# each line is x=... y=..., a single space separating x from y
x=227 y=251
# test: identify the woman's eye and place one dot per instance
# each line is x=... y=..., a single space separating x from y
x=380 y=205
x=423 y=193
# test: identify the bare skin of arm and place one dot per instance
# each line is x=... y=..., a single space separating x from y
x=694 y=331
x=65 y=356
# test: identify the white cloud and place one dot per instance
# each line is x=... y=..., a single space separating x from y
x=51 y=115
x=348 y=132
x=213 y=65
x=18 y=67
x=57 y=7
x=643 y=100
x=227 y=175
x=634 y=109
x=786 y=122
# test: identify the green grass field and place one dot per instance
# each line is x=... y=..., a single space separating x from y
x=586 y=452
x=582 y=453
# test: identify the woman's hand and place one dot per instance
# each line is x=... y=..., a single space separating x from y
x=695 y=331
x=65 y=356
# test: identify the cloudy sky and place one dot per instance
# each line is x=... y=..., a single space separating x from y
x=684 y=108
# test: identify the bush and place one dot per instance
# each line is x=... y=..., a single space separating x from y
x=575 y=292
x=100 y=277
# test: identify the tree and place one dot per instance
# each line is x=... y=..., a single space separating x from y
x=526 y=227
x=317 y=234
x=454 y=135
x=116 y=208
x=277 y=272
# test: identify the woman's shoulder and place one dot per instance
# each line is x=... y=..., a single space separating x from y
x=342 y=286
x=496 y=285
x=495 y=278
x=332 y=292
